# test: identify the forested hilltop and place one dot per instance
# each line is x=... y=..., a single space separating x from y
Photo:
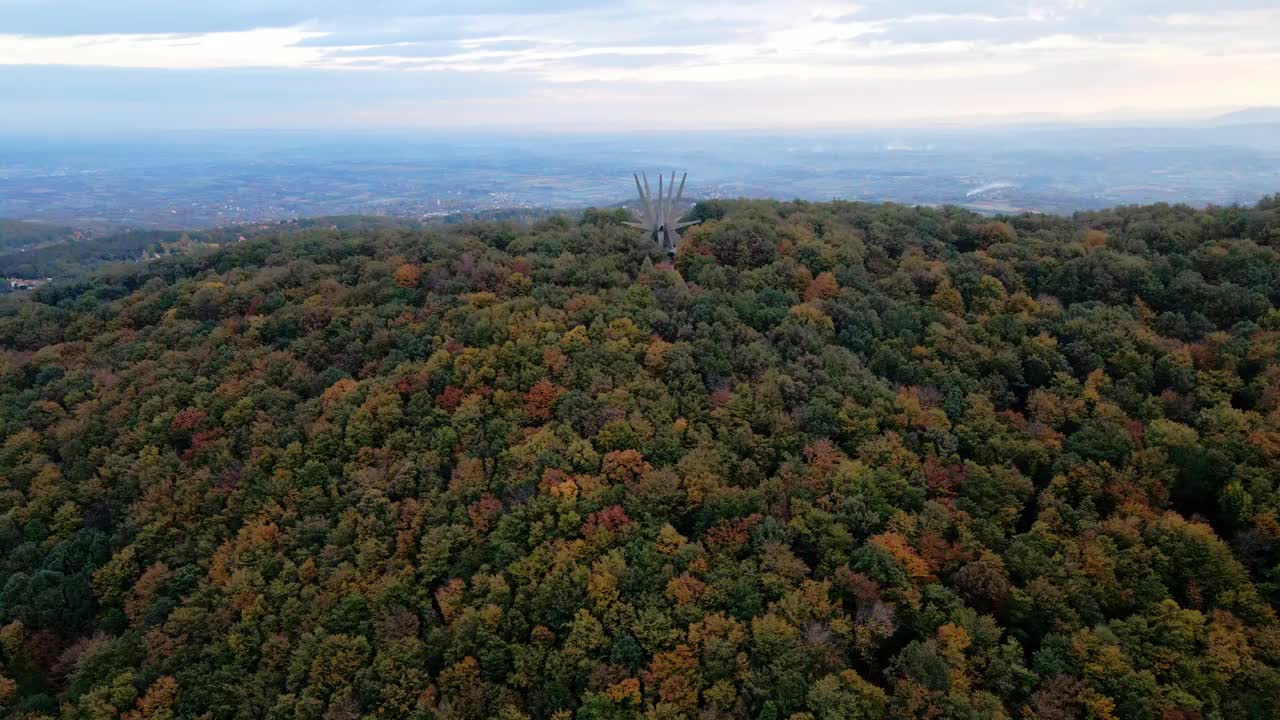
x=838 y=462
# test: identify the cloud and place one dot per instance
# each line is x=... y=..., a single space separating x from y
x=266 y=47
x=752 y=51
x=125 y=17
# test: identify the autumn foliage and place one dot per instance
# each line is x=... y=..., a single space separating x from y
x=834 y=462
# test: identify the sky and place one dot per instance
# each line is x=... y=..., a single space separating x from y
x=626 y=64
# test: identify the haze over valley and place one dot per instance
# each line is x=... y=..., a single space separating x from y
x=180 y=180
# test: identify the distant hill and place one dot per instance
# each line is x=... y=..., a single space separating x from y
x=39 y=251
x=45 y=251
x=1250 y=116
x=19 y=234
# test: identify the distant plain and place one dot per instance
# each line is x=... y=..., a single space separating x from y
x=209 y=179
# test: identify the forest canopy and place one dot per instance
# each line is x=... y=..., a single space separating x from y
x=836 y=462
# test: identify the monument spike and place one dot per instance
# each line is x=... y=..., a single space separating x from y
x=662 y=211
x=671 y=199
x=648 y=199
x=667 y=206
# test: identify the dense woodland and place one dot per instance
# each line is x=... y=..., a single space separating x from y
x=836 y=462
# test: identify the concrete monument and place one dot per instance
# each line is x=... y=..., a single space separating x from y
x=661 y=219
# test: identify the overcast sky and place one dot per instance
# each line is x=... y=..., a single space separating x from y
x=577 y=64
